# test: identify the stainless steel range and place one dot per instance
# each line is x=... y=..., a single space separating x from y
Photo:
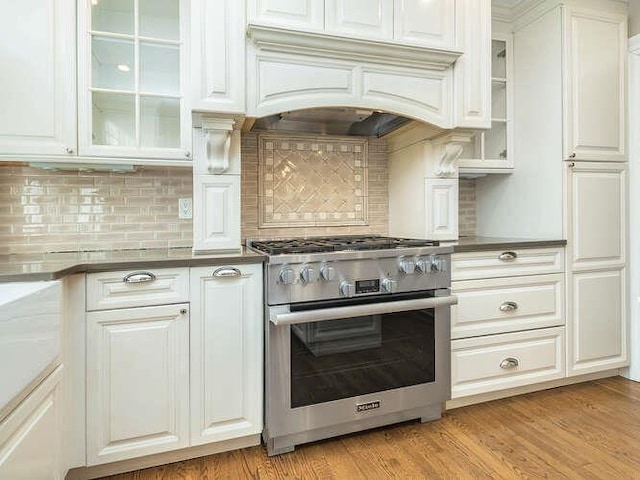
x=357 y=335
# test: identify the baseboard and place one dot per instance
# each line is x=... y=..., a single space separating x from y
x=86 y=473
x=487 y=397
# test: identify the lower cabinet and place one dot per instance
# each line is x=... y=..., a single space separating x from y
x=30 y=435
x=167 y=377
x=137 y=382
x=226 y=352
x=508 y=329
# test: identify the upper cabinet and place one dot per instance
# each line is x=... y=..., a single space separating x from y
x=595 y=72
x=132 y=78
x=217 y=60
x=37 y=85
x=492 y=150
x=414 y=22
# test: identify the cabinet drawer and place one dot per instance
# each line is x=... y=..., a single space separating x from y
x=506 y=263
x=137 y=288
x=496 y=362
x=501 y=305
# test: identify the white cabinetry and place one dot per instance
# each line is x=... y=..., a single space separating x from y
x=298 y=14
x=597 y=274
x=425 y=23
x=366 y=18
x=30 y=436
x=226 y=352
x=491 y=151
x=217 y=60
x=595 y=47
x=132 y=78
x=37 y=85
x=137 y=366
x=507 y=329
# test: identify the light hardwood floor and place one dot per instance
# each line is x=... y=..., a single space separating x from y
x=584 y=431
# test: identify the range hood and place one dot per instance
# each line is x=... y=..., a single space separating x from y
x=332 y=121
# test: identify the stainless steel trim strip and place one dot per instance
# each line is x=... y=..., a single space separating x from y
x=291 y=318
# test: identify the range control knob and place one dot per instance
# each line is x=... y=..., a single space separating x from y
x=286 y=276
x=327 y=272
x=423 y=265
x=407 y=266
x=388 y=285
x=347 y=289
x=308 y=274
x=438 y=264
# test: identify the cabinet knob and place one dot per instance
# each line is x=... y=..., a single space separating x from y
x=187 y=154
x=508 y=256
x=183 y=311
x=508 y=306
x=509 y=362
x=573 y=155
x=69 y=150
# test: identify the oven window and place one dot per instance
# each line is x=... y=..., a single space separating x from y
x=344 y=358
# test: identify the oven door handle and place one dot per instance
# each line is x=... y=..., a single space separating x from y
x=283 y=318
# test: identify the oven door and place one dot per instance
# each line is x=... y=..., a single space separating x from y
x=336 y=364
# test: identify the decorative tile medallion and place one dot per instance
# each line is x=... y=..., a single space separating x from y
x=312 y=181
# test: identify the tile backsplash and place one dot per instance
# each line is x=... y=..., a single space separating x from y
x=467 y=221
x=56 y=211
x=297 y=185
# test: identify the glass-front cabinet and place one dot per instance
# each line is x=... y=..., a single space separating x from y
x=491 y=150
x=132 y=65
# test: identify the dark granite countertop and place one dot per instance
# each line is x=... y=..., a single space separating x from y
x=52 y=266
x=479 y=244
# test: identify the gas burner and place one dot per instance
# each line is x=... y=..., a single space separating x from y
x=337 y=244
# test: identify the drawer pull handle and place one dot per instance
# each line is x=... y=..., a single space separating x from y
x=509 y=362
x=226 y=272
x=138 y=277
x=508 y=256
x=508 y=306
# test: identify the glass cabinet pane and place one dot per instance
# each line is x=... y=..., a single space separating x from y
x=160 y=122
x=159 y=68
x=112 y=63
x=113 y=16
x=114 y=119
x=159 y=19
x=498 y=59
x=495 y=141
x=499 y=100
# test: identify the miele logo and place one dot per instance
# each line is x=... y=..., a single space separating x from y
x=363 y=407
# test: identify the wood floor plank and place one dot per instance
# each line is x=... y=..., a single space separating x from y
x=583 y=431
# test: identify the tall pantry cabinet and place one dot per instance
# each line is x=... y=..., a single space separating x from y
x=571 y=175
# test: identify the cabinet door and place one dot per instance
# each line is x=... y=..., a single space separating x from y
x=298 y=14
x=360 y=18
x=226 y=352
x=137 y=382
x=37 y=85
x=472 y=71
x=430 y=24
x=217 y=55
x=217 y=225
x=596 y=202
x=598 y=333
x=132 y=79
x=595 y=85
x=441 y=208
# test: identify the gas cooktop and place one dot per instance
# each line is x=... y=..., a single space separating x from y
x=337 y=244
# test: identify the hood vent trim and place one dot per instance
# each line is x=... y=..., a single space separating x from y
x=336 y=47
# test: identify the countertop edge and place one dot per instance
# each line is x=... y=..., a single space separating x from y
x=59 y=272
x=479 y=246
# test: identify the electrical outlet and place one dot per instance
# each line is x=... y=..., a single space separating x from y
x=185 y=208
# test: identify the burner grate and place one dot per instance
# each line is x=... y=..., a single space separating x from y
x=337 y=244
